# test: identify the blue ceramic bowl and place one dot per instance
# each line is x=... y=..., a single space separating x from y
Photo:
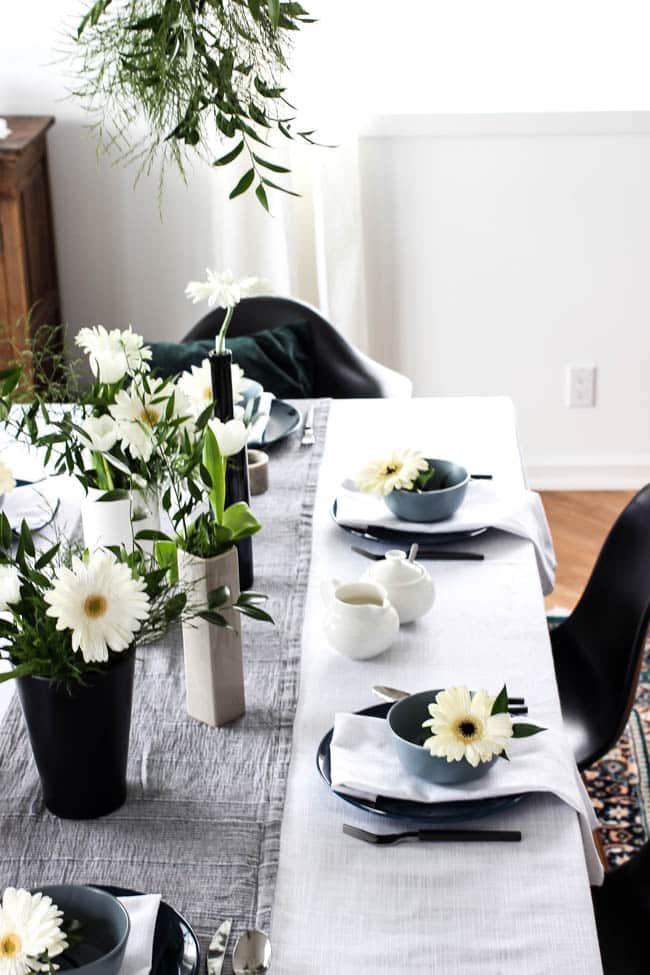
x=442 y=496
x=105 y=928
x=405 y=722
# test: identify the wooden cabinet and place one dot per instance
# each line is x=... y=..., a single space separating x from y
x=29 y=295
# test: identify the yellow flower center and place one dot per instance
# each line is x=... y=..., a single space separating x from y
x=392 y=469
x=468 y=728
x=207 y=393
x=95 y=606
x=10 y=945
x=149 y=416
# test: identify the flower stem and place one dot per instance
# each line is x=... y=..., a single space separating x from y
x=221 y=338
x=104 y=476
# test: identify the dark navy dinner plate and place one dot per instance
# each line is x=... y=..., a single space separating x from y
x=431 y=813
x=175 y=946
x=395 y=536
x=284 y=419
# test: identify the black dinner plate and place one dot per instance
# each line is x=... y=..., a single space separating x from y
x=434 y=813
x=175 y=946
x=284 y=419
x=394 y=536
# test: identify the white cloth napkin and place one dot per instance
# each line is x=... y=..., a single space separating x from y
x=5 y=131
x=256 y=431
x=364 y=763
x=485 y=505
x=143 y=911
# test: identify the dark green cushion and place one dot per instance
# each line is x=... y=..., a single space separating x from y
x=278 y=358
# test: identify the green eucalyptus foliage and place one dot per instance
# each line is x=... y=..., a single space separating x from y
x=191 y=68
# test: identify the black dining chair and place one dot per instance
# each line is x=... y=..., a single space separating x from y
x=622 y=908
x=598 y=649
x=340 y=369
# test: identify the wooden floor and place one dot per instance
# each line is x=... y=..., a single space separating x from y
x=580 y=521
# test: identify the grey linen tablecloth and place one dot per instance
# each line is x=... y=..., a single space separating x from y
x=202 y=822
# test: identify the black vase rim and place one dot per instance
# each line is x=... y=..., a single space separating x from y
x=128 y=656
x=224 y=354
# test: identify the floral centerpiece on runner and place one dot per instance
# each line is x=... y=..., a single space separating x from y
x=70 y=622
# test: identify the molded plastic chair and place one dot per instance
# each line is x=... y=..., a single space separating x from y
x=598 y=650
x=341 y=370
x=622 y=907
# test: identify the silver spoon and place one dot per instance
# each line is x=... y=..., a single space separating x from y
x=252 y=953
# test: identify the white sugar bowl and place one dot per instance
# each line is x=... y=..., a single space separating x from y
x=408 y=585
x=359 y=620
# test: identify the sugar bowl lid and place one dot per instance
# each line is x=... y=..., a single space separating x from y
x=396 y=569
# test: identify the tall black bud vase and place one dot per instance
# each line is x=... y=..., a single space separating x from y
x=237 y=488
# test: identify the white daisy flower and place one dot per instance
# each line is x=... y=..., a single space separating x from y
x=137 y=413
x=102 y=432
x=100 y=601
x=222 y=290
x=464 y=727
x=30 y=927
x=230 y=436
x=7 y=480
x=396 y=471
x=9 y=587
x=196 y=384
x=115 y=354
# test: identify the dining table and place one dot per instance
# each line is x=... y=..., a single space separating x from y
x=269 y=849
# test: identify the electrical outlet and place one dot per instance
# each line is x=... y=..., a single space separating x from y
x=581 y=386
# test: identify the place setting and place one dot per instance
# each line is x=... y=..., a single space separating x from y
x=405 y=497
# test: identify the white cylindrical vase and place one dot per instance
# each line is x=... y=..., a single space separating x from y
x=106 y=522
x=214 y=670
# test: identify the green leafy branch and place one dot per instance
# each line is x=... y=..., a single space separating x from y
x=192 y=69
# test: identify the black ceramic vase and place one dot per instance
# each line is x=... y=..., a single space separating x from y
x=80 y=739
x=237 y=487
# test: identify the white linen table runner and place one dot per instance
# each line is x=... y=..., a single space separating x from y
x=344 y=907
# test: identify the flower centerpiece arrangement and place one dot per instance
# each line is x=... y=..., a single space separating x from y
x=224 y=291
x=33 y=933
x=69 y=625
x=474 y=728
x=108 y=435
x=120 y=436
x=202 y=554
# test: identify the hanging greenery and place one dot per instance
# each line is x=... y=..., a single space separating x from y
x=190 y=68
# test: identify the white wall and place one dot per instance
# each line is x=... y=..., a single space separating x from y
x=500 y=250
x=529 y=251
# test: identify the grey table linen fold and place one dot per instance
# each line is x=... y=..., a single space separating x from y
x=202 y=822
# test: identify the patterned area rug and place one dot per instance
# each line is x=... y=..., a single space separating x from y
x=619 y=785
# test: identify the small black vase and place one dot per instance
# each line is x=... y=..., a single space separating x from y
x=80 y=739
x=237 y=487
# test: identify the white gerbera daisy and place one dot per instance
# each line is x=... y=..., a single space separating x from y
x=223 y=290
x=9 y=587
x=115 y=354
x=30 y=928
x=196 y=384
x=396 y=471
x=7 y=480
x=138 y=412
x=464 y=727
x=100 y=601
